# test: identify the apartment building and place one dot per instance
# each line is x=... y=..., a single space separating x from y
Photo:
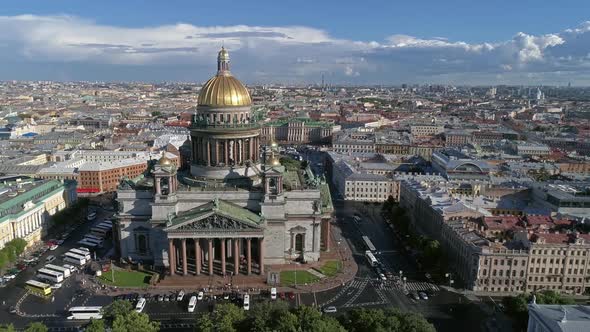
x=426 y=130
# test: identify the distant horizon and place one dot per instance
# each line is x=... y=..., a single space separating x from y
x=374 y=43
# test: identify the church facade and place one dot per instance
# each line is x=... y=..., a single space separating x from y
x=237 y=211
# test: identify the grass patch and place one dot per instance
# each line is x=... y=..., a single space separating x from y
x=126 y=278
x=331 y=268
x=298 y=277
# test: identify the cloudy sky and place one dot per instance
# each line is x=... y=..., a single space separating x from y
x=369 y=42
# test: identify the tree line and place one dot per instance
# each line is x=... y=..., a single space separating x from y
x=264 y=317
x=11 y=251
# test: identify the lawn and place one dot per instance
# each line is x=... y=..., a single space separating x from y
x=331 y=268
x=126 y=278
x=303 y=277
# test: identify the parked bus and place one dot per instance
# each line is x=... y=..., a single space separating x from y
x=107 y=221
x=98 y=232
x=92 y=237
x=85 y=313
x=87 y=244
x=97 y=243
x=107 y=225
x=371 y=258
x=50 y=275
x=369 y=244
x=75 y=258
x=91 y=216
x=38 y=287
x=82 y=253
x=63 y=270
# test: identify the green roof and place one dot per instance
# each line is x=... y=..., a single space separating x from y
x=220 y=207
x=307 y=121
x=13 y=206
x=326 y=198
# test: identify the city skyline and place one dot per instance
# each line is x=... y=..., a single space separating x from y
x=79 y=42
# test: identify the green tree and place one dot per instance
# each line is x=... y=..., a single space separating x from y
x=3 y=259
x=228 y=317
x=96 y=325
x=134 y=322
x=204 y=324
x=270 y=316
x=382 y=321
x=7 y=328
x=117 y=308
x=36 y=327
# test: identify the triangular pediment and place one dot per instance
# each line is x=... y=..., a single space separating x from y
x=215 y=216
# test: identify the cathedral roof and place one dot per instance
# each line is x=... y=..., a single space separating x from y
x=220 y=207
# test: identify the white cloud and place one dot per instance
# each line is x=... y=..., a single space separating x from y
x=295 y=53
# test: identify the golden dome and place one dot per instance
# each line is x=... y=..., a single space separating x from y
x=273 y=160
x=224 y=90
x=164 y=161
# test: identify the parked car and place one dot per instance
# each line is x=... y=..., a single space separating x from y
x=330 y=310
x=180 y=296
x=49 y=259
x=382 y=276
x=291 y=295
x=415 y=296
x=56 y=285
x=273 y=293
x=53 y=247
x=200 y=296
x=423 y=296
x=160 y=298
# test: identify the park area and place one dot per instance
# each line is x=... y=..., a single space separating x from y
x=302 y=277
x=123 y=278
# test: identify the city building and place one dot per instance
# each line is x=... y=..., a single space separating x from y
x=26 y=207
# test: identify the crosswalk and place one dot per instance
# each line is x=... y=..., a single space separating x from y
x=415 y=286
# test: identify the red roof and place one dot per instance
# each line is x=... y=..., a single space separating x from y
x=502 y=222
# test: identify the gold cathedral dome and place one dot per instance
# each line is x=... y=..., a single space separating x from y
x=165 y=161
x=224 y=90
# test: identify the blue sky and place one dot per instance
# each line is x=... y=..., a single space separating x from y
x=471 y=42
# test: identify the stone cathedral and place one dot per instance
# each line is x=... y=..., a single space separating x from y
x=237 y=211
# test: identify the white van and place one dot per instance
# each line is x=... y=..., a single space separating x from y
x=273 y=293
x=192 y=304
x=140 y=304
x=246 y=302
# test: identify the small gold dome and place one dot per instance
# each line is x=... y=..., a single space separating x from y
x=274 y=161
x=224 y=91
x=164 y=161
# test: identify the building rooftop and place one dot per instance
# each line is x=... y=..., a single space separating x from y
x=566 y=318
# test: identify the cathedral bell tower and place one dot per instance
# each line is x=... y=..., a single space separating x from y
x=165 y=181
x=273 y=204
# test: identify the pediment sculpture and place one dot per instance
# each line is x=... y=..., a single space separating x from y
x=215 y=222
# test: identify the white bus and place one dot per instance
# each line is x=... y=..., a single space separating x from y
x=140 y=304
x=98 y=231
x=50 y=275
x=192 y=304
x=75 y=258
x=85 y=313
x=97 y=243
x=82 y=253
x=107 y=225
x=64 y=270
x=87 y=244
x=371 y=258
x=369 y=244
x=92 y=237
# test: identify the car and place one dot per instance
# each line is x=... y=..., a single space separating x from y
x=428 y=276
x=160 y=298
x=330 y=310
x=200 y=296
x=382 y=276
x=415 y=296
x=53 y=247
x=49 y=259
x=226 y=296
x=56 y=285
x=166 y=298
x=180 y=296
x=30 y=259
x=9 y=277
x=12 y=310
x=291 y=295
x=423 y=296
x=273 y=293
